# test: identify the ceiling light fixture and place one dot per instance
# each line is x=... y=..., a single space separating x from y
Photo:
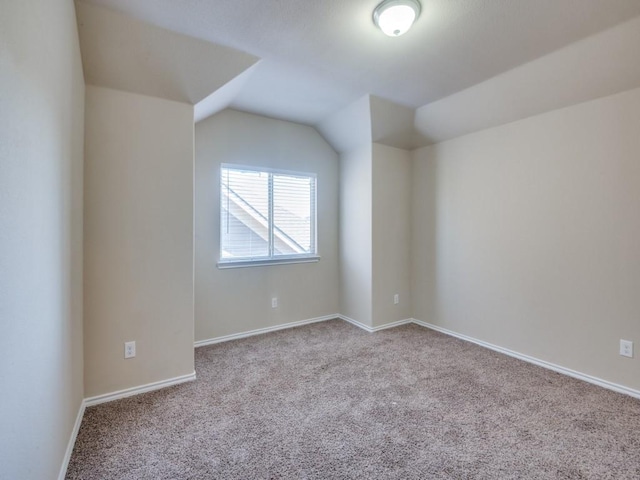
x=395 y=17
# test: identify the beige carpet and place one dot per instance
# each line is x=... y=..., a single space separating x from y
x=331 y=401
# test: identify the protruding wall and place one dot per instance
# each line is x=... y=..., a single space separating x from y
x=391 y=239
x=138 y=234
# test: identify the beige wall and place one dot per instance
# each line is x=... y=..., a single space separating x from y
x=356 y=249
x=138 y=233
x=238 y=300
x=41 y=141
x=526 y=236
x=391 y=240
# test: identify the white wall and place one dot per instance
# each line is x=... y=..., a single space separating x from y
x=526 y=236
x=41 y=141
x=138 y=239
x=237 y=300
x=356 y=230
x=391 y=239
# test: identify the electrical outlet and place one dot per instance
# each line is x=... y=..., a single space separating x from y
x=626 y=348
x=274 y=302
x=129 y=349
x=396 y=299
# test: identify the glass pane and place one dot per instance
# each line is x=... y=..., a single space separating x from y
x=293 y=215
x=244 y=214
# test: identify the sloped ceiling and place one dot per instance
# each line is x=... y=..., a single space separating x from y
x=600 y=65
x=348 y=128
x=394 y=125
x=127 y=54
x=316 y=58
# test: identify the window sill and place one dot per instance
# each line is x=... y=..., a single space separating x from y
x=263 y=263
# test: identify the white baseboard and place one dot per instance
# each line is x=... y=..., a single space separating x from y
x=379 y=327
x=536 y=361
x=392 y=324
x=128 y=392
x=356 y=323
x=260 y=331
x=72 y=441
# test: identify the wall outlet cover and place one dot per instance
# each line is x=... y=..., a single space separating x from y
x=129 y=349
x=626 y=348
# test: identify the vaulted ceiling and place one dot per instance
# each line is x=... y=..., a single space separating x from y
x=310 y=59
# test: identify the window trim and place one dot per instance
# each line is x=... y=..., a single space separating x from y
x=263 y=262
x=243 y=262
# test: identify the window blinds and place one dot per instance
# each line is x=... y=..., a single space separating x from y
x=266 y=214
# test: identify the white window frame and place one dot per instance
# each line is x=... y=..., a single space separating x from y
x=240 y=262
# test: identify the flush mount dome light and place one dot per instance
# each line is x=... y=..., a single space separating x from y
x=395 y=17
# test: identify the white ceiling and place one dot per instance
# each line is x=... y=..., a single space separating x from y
x=318 y=56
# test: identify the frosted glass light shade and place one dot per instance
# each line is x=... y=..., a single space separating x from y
x=395 y=17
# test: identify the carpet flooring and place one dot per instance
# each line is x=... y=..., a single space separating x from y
x=329 y=400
